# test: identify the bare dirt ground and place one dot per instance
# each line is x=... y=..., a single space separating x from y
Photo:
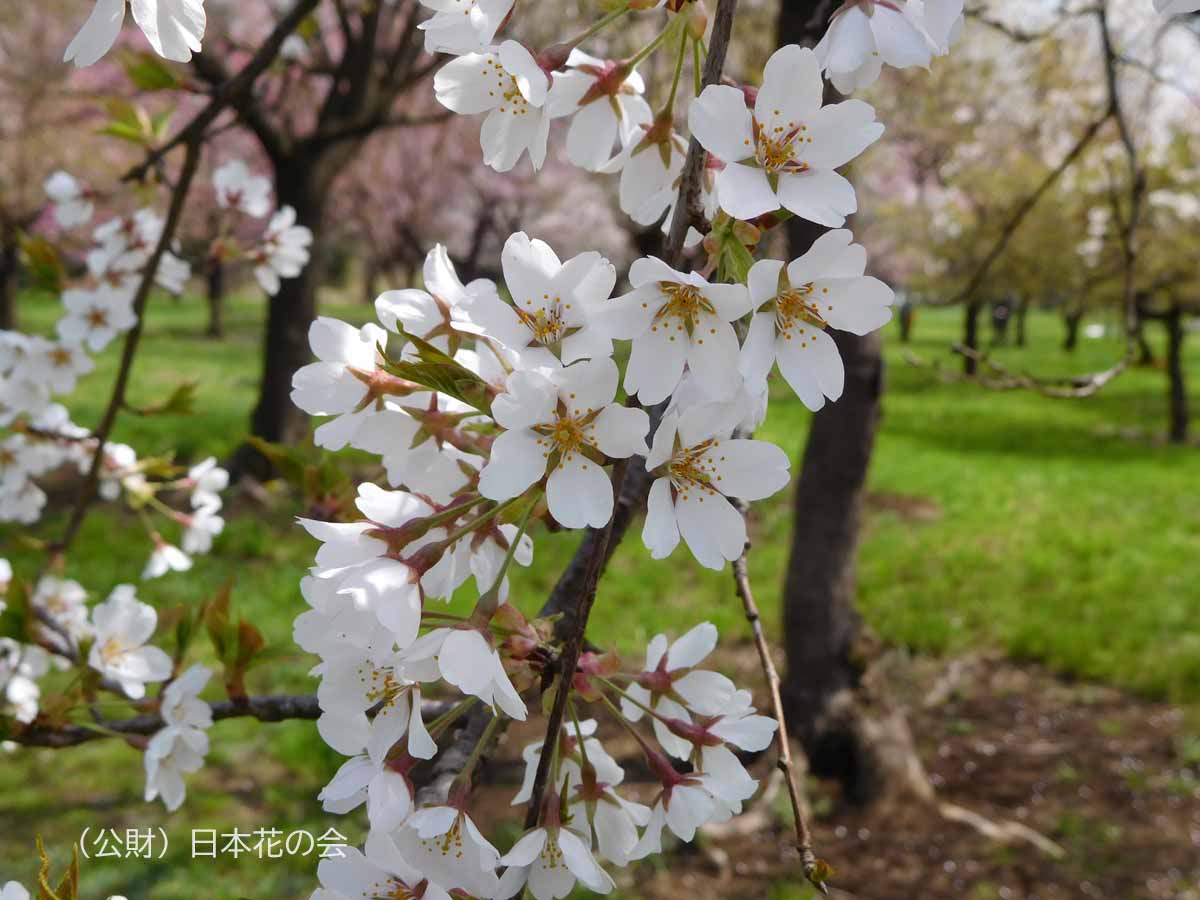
x=1106 y=783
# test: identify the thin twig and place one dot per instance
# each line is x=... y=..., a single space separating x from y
x=814 y=869
x=688 y=209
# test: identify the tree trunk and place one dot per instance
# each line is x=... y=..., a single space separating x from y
x=908 y=312
x=971 y=336
x=1145 y=353
x=302 y=181
x=216 y=299
x=371 y=272
x=1022 y=313
x=847 y=729
x=1177 y=432
x=1071 y=320
x=10 y=264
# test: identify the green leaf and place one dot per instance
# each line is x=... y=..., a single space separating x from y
x=43 y=263
x=442 y=373
x=149 y=72
x=129 y=122
x=182 y=402
x=217 y=621
x=14 y=620
x=288 y=461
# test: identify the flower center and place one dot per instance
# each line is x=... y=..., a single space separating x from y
x=551 y=855
x=60 y=357
x=111 y=649
x=97 y=317
x=685 y=304
x=449 y=842
x=379 y=685
x=514 y=101
x=777 y=148
x=548 y=324
x=692 y=469
x=796 y=311
x=392 y=889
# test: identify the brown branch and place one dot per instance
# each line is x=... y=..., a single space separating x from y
x=266 y=708
x=688 y=209
x=569 y=660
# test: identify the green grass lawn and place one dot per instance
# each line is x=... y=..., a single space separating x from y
x=1047 y=530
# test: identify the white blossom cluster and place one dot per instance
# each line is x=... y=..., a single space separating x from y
x=117 y=635
x=282 y=250
x=34 y=370
x=485 y=402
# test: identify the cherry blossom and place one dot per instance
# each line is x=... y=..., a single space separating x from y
x=122 y=626
x=173 y=28
x=466 y=659
x=445 y=845
x=864 y=35
x=785 y=151
x=172 y=753
x=207 y=480
x=73 y=207
x=181 y=705
x=166 y=557
x=676 y=319
x=95 y=317
x=554 y=304
x=21 y=665
x=202 y=527
x=239 y=189
x=65 y=601
x=380 y=872
x=463 y=26
x=696 y=465
x=796 y=304
x=650 y=164
x=604 y=99
x=506 y=83
x=549 y=861
x=565 y=422
x=338 y=383
x=671 y=685
x=284 y=251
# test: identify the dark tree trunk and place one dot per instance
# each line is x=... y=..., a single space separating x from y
x=1071 y=320
x=908 y=312
x=10 y=264
x=821 y=623
x=1177 y=432
x=1145 y=353
x=1021 y=314
x=216 y=298
x=848 y=728
x=971 y=336
x=302 y=181
x=371 y=280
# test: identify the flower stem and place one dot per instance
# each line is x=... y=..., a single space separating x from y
x=678 y=72
x=463 y=530
x=598 y=27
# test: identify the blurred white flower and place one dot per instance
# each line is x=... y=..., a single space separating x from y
x=173 y=28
